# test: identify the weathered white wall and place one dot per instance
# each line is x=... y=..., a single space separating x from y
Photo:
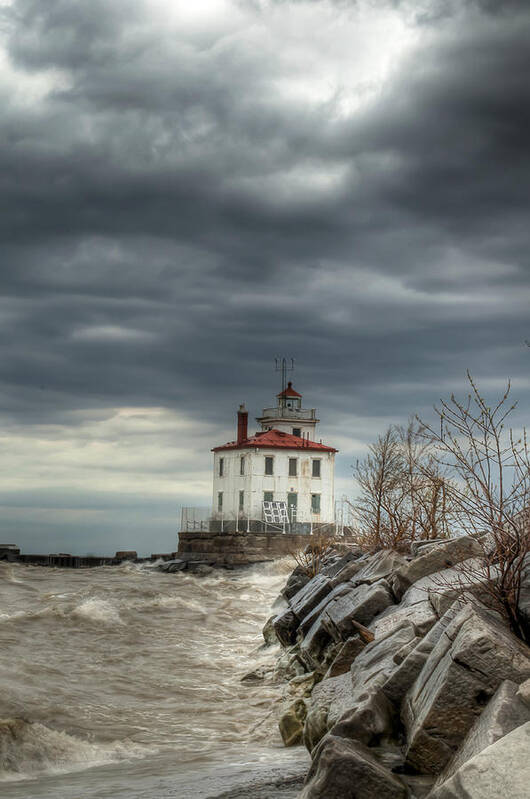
x=255 y=482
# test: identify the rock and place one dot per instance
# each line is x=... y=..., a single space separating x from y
x=368 y=721
x=346 y=769
x=349 y=571
x=443 y=556
x=503 y=713
x=404 y=651
x=421 y=547
x=336 y=691
x=302 y=603
x=524 y=692
x=468 y=577
x=171 y=566
x=269 y=633
x=290 y=665
x=310 y=595
x=308 y=621
x=285 y=625
x=334 y=569
x=357 y=703
x=314 y=644
x=260 y=674
x=419 y=613
x=347 y=653
x=502 y=769
x=398 y=682
x=524 y=598
x=315 y=726
x=292 y=723
x=297 y=580
x=359 y=604
x=302 y=685
x=467 y=664
x=379 y=566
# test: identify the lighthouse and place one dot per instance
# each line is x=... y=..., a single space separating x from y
x=282 y=462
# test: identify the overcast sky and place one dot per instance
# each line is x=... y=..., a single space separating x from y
x=189 y=189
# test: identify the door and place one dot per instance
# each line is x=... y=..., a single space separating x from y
x=292 y=506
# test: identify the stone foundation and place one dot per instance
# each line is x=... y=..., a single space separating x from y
x=239 y=549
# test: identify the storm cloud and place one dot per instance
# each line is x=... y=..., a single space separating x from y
x=189 y=190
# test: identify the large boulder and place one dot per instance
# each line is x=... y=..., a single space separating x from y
x=313 y=646
x=421 y=547
x=337 y=566
x=400 y=680
x=296 y=581
x=440 y=557
x=414 y=607
x=503 y=713
x=316 y=613
x=285 y=625
x=269 y=633
x=347 y=572
x=289 y=664
x=369 y=721
x=467 y=577
x=310 y=595
x=345 y=769
x=345 y=656
x=334 y=692
x=468 y=663
x=379 y=566
x=353 y=699
x=360 y=605
x=500 y=770
x=524 y=597
x=292 y=723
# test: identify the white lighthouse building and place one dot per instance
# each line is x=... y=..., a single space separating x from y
x=281 y=462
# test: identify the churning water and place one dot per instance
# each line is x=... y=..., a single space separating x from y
x=126 y=682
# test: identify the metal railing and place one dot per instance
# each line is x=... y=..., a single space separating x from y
x=204 y=520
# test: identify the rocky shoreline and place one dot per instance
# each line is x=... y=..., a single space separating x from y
x=400 y=679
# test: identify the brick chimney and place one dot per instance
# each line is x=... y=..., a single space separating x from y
x=242 y=424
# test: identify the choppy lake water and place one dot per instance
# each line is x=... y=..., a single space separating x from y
x=125 y=682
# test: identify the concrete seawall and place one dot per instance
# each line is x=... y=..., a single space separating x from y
x=238 y=549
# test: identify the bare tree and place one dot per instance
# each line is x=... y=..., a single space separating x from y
x=312 y=558
x=490 y=493
x=383 y=518
x=403 y=491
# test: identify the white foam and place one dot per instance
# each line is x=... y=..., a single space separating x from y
x=98 y=610
x=28 y=749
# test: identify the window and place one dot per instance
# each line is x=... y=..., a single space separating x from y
x=292 y=467
x=221 y=466
x=241 y=500
x=219 y=500
x=269 y=461
x=268 y=496
x=297 y=431
x=315 y=503
x=242 y=465
x=316 y=468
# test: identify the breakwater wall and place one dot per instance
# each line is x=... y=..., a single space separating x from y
x=64 y=560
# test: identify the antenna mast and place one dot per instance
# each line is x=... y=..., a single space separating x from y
x=280 y=365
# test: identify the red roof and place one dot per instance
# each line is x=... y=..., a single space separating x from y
x=275 y=439
x=289 y=391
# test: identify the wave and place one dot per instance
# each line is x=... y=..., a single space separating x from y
x=28 y=749
x=97 y=610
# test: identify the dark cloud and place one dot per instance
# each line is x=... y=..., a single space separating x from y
x=179 y=204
